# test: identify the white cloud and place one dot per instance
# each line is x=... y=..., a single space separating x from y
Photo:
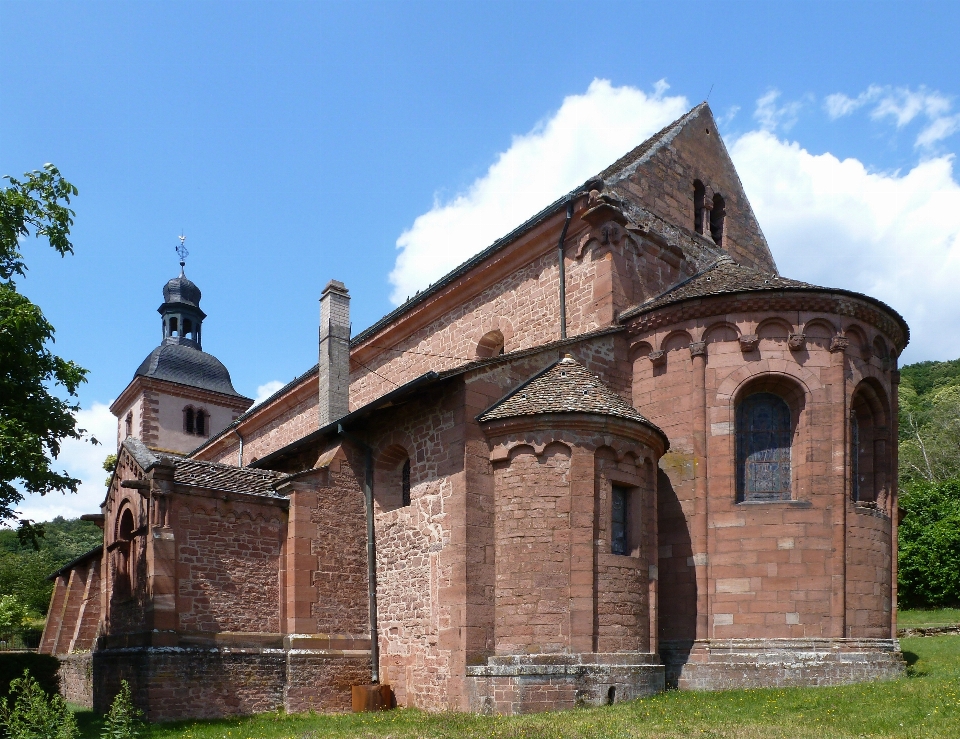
x=902 y=105
x=891 y=236
x=585 y=135
x=771 y=116
x=84 y=461
x=266 y=390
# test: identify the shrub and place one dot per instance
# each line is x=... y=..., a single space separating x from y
x=29 y=713
x=929 y=559
x=123 y=720
x=42 y=667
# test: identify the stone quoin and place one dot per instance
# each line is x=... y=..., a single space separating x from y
x=682 y=473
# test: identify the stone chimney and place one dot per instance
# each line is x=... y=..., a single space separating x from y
x=334 y=352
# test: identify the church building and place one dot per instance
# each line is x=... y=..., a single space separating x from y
x=616 y=451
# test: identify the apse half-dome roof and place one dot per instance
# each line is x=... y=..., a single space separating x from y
x=187 y=366
x=564 y=387
x=181 y=290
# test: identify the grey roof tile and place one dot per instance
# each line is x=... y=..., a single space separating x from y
x=186 y=365
x=564 y=387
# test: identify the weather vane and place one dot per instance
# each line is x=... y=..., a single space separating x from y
x=182 y=251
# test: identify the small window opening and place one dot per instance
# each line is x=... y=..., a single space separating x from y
x=491 y=345
x=699 y=195
x=405 y=483
x=173 y=327
x=188 y=424
x=129 y=424
x=618 y=520
x=611 y=695
x=124 y=571
x=201 y=423
x=716 y=219
x=187 y=328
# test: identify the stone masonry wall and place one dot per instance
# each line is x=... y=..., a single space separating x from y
x=732 y=569
x=421 y=550
x=228 y=563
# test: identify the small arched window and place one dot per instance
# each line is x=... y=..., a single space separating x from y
x=188 y=420
x=716 y=219
x=764 y=437
x=200 y=423
x=699 y=195
x=490 y=345
x=187 y=327
x=129 y=424
x=173 y=326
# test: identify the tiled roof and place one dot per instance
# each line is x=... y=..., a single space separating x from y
x=723 y=276
x=564 y=387
x=206 y=474
x=224 y=477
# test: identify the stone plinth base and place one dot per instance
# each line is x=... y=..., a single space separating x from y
x=76 y=678
x=529 y=683
x=721 y=664
x=191 y=682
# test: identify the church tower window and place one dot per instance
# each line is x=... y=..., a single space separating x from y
x=200 y=423
x=717 y=215
x=763 y=448
x=699 y=195
x=188 y=420
x=129 y=424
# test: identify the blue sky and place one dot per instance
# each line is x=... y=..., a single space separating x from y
x=297 y=142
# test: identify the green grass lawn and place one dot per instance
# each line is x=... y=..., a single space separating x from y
x=924 y=704
x=923 y=618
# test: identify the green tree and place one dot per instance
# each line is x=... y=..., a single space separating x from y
x=33 y=419
x=123 y=720
x=930 y=422
x=30 y=714
x=929 y=539
x=13 y=614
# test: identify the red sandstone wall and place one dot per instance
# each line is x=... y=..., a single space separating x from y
x=733 y=569
x=228 y=563
x=664 y=185
x=869 y=559
x=421 y=550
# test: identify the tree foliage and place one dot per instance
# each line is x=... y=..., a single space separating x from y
x=34 y=420
x=929 y=422
x=929 y=552
x=24 y=570
x=29 y=713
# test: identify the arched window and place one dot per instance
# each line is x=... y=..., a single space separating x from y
x=716 y=219
x=123 y=581
x=392 y=484
x=200 y=423
x=491 y=345
x=187 y=328
x=870 y=461
x=188 y=420
x=699 y=195
x=173 y=326
x=764 y=437
x=129 y=424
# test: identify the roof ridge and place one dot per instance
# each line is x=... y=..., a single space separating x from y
x=650 y=142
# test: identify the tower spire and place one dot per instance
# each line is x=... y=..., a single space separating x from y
x=182 y=252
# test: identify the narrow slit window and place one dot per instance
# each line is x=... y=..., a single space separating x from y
x=618 y=520
x=699 y=195
x=405 y=483
x=188 y=424
x=201 y=423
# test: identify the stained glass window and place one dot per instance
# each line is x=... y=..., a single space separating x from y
x=763 y=448
x=618 y=521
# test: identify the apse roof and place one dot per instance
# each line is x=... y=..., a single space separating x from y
x=186 y=365
x=726 y=277
x=566 y=386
